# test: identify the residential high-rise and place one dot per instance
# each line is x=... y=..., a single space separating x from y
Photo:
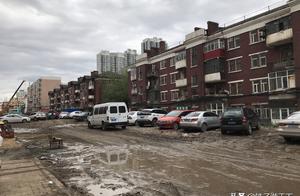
x=149 y=43
x=38 y=93
x=115 y=61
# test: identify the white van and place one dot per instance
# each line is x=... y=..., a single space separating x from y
x=109 y=114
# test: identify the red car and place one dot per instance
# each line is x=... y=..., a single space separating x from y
x=172 y=119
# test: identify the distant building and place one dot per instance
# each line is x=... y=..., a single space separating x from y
x=115 y=61
x=38 y=93
x=149 y=43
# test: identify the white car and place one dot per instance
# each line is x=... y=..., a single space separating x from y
x=289 y=128
x=63 y=115
x=149 y=116
x=14 y=118
x=109 y=114
x=38 y=116
x=74 y=113
x=132 y=117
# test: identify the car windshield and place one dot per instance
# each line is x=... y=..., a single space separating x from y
x=194 y=114
x=294 y=116
x=174 y=113
x=233 y=112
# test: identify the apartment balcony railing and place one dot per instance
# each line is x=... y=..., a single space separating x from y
x=279 y=38
x=134 y=91
x=91 y=87
x=181 y=82
x=283 y=64
x=180 y=64
x=77 y=91
x=91 y=97
x=214 y=77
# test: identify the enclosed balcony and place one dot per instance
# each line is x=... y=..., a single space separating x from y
x=91 y=97
x=214 y=71
x=283 y=65
x=77 y=91
x=181 y=82
x=180 y=64
x=134 y=91
x=214 y=77
x=280 y=38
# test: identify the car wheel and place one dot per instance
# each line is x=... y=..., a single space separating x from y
x=103 y=126
x=249 y=130
x=24 y=121
x=223 y=131
x=257 y=126
x=90 y=126
x=123 y=127
x=136 y=123
x=176 y=126
x=154 y=122
x=204 y=127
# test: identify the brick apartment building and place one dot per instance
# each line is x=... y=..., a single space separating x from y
x=82 y=94
x=38 y=99
x=254 y=63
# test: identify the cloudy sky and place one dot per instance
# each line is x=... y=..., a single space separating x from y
x=62 y=37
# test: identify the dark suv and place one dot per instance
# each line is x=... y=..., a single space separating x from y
x=239 y=119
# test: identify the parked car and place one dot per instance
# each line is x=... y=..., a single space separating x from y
x=239 y=119
x=81 y=116
x=72 y=114
x=64 y=115
x=149 y=116
x=109 y=114
x=38 y=116
x=132 y=117
x=52 y=115
x=200 y=120
x=14 y=118
x=172 y=119
x=289 y=128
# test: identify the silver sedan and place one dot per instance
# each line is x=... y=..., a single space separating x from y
x=14 y=118
x=202 y=120
x=289 y=128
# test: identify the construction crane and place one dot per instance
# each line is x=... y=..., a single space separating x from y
x=6 y=109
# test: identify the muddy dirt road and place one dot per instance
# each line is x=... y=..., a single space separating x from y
x=148 y=161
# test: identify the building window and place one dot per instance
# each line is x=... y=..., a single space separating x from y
x=173 y=78
x=163 y=80
x=235 y=88
x=260 y=85
x=163 y=96
x=214 y=45
x=258 y=60
x=233 y=42
x=235 y=65
x=255 y=36
x=217 y=108
x=140 y=76
x=162 y=64
x=281 y=113
x=281 y=80
x=172 y=61
x=262 y=111
x=193 y=57
x=181 y=56
x=194 y=80
x=174 y=95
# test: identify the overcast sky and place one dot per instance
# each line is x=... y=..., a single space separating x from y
x=62 y=37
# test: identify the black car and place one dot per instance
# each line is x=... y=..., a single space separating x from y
x=239 y=119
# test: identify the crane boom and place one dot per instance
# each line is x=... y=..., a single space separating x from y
x=7 y=106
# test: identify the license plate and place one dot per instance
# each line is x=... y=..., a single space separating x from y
x=113 y=119
x=231 y=123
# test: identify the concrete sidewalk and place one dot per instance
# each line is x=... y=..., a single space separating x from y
x=27 y=177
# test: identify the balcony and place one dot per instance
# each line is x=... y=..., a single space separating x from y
x=283 y=65
x=134 y=91
x=77 y=100
x=180 y=64
x=279 y=38
x=91 y=97
x=77 y=91
x=181 y=82
x=91 y=87
x=153 y=74
x=213 y=77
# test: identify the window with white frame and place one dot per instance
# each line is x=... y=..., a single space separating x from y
x=174 y=95
x=172 y=61
x=163 y=96
x=162 y=64
x=258 y=60
x=234 y=65
x=181 y=56
x=173 y=78
x=217 y=108
x=214 y=45
x=235 y=88
x=281 y=80
x=281 y=113
x=255 y=36
x=260 y=85
x=194 y=80
x=262 y=111
x=233 y=42
x=163 y=80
